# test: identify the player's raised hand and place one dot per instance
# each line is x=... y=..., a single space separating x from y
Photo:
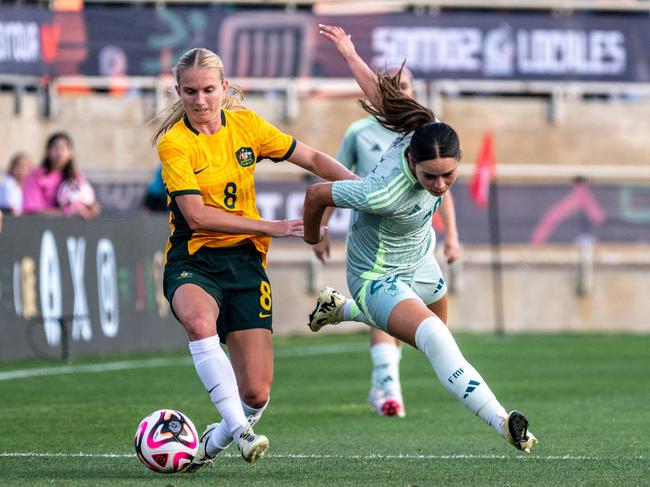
x=286 y=228
x=365 y=77
x=341 y=40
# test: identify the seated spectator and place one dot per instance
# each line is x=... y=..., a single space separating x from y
x=11 y=186
x=57 y=186
x=155 y=198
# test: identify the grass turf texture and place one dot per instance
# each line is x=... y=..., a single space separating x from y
x=585 y=395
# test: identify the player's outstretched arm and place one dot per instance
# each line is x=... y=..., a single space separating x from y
x=203 y=217
x=317 y=197
x=319 y=163
x=365 y=77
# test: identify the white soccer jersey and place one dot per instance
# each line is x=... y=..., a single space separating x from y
x=391 y=228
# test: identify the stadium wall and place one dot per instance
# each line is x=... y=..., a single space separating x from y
x=104 y=278
x=112 y=135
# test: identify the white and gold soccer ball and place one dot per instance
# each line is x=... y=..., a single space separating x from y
x=166 y=441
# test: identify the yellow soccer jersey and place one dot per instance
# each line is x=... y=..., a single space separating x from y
x=220 y=168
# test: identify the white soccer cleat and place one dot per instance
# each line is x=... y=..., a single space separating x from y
x=391 y=405
x=252 y=446
x=201 y=459
x=514 y=429
x=328 y=310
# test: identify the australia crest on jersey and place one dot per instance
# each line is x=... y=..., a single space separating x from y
x=245 y=156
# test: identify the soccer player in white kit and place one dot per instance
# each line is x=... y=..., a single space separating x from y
x=361 y=149
x=391 y=271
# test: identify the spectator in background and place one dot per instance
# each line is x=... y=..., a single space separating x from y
x=155 y=198
x=11 y=186
x=57 y=186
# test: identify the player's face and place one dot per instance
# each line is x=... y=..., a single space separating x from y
x=201 y=91
x=436 y=175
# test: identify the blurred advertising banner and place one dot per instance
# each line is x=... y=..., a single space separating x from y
x=529 y=213
x=147 y=40
x=101 y=277
x=25 y=40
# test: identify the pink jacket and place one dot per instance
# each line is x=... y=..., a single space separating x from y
x=39 y=191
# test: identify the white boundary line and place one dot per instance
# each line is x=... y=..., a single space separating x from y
x=374 y=456
x=167 y=362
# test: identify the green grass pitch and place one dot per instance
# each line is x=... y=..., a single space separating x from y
x=587 y=398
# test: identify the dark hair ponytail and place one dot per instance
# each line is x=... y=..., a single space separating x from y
x=396 y=111
x=433 y=140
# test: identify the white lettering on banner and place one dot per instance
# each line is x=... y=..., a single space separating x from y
x=499 y=52
x=18 y=295
x=50 y=288
x=268 y=203
x=294 y=205
x=536 y=51
x=19 y=42
x=80 y=321
x=428 y=48
x=571 y=52
x=109 y=316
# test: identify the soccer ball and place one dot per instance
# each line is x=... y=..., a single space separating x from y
x=166 y=441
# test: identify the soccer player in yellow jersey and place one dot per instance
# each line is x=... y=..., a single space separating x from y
x=215 y=277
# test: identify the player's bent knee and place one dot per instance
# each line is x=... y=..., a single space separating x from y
x=255 y=397
x=198 y=328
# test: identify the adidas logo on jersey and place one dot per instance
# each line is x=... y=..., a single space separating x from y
x=415 y=209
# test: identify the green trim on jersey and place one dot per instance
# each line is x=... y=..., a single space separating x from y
x=184 y=191
x=360 y=299
x=406 y=170
x=395 y=189
x=379 y=266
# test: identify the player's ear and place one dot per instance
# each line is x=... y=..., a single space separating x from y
x=178 y=90
x=407 y=153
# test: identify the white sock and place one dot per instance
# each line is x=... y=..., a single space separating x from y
x=221 y=436
x=216 y=373
x=351 y=312
x=385 y=372
x=254 y=414
x=455 y=373
x=219 y=440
